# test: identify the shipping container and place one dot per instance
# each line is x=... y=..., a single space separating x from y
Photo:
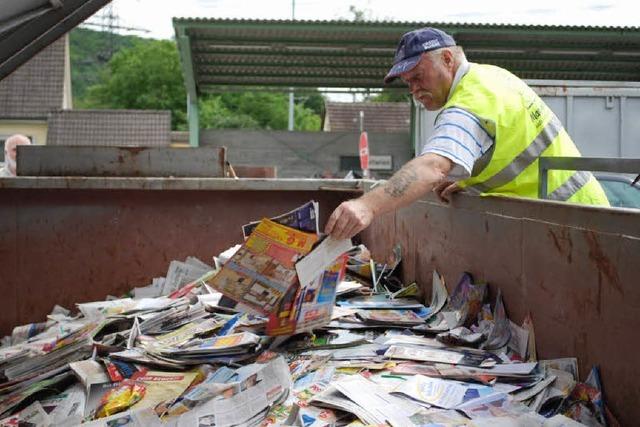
x=601 y=117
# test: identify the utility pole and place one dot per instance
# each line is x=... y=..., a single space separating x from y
x=291 y=122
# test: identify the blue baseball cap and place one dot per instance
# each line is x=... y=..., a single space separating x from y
x=412 y=45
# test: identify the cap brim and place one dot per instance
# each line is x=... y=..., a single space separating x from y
x=402 y=67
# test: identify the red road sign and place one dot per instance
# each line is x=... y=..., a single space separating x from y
x=364 y=151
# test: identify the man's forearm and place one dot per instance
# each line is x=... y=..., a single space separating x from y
x=416 y=178
x=412 y=181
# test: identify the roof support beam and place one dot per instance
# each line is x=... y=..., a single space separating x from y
x=194 y=122
x=184 y=47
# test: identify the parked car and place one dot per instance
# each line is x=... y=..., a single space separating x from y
x=621 y=191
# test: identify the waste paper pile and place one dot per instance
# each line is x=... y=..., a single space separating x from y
x=290 y=328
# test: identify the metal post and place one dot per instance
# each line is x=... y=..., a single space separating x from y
x=194 y=125
x=290 y=109
x=593 y=164
x=543 y=173
x=361 y=121
x=291 y=100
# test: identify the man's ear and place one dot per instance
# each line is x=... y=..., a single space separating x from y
x=448 y=58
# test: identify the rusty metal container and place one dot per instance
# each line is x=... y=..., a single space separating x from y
x=66 y=240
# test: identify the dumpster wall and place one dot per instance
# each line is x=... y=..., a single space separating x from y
x=575 y=269
x=62 y=245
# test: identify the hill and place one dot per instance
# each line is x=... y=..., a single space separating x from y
x=90 y=52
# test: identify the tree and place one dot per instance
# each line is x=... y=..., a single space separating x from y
x=145 y=76
x=90 y=51
x=148 y=76
x=314 y=102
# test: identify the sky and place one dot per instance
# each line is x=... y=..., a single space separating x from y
x=154 y=16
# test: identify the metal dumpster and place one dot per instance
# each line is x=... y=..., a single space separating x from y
x=66 y=240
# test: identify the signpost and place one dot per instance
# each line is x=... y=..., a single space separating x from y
x=364 y=154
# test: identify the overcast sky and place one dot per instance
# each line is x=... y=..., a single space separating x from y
x=155 y=15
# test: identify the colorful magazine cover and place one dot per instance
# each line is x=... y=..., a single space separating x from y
x=262 y=271
x=277 y=274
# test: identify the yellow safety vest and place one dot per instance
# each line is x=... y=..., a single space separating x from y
x=523 y=128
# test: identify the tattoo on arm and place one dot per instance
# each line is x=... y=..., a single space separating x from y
x=398 y=183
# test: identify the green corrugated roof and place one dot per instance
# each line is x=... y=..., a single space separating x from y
x=223 y=53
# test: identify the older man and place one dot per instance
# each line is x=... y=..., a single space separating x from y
x=487 y=139
x=10 y=154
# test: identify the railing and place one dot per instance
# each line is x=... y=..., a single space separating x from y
x=592 y=164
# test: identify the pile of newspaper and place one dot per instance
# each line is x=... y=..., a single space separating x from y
x=289 y=329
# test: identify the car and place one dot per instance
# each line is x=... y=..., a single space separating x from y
x=620 y=190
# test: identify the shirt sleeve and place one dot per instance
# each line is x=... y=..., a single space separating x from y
x=459 y=136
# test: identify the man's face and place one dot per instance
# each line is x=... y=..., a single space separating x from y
x=429 y=81
x=11 y=151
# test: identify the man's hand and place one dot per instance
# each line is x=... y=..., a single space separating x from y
x=445 y=189
x=350 y=218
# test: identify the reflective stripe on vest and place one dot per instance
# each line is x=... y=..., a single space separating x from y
x=524 y=159
x=570 y=186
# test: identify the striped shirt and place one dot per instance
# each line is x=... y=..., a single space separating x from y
x=458 y=136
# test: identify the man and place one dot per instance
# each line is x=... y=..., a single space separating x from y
x=10 y=154
x=487 y=138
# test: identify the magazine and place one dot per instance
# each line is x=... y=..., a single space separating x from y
x=280 y=273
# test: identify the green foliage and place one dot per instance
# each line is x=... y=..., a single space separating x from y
x=147 y=75
x=314 y=102
x=270 y=110
x=215 y=115
x=90 y=51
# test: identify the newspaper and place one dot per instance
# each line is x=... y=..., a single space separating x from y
x=530 y=392
x=382 y=407
x=437 y=355
x=462 y=307
x=182 y=335
x=439 y=294
x=500 y=334
x=345 y=287
x=214 y=384
x=262 y=276
x=496 y=405
x=139 y=418
x=527 y=324
x=262 y=271
x=332 y=398
x=381 y=301
x=89 y=372
x=66 y=408
x=32 y=415
x=519 y=340
x=150 y=291
x=433 y=391
x=228 y=344
x=182 y=273
x=303 y=218
x=397 y=317
x=319 y=274
x=267 y=384
x=100 y=309
x=157 y=387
